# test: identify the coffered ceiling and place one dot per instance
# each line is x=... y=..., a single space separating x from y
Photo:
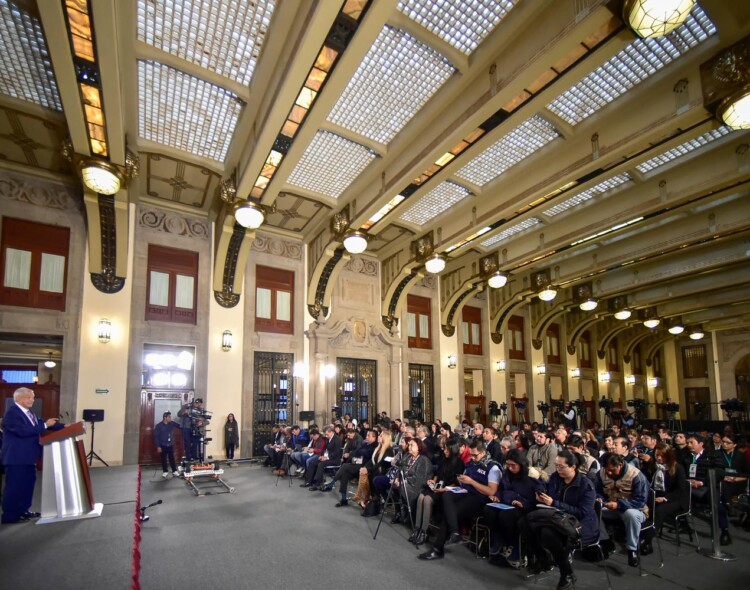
x=542 y=134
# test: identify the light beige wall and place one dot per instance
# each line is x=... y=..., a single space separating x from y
x=224 y=372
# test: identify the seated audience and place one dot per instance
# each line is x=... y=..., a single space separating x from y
x=669 y=483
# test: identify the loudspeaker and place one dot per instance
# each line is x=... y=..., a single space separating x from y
x=306 y=416
x=93 y=415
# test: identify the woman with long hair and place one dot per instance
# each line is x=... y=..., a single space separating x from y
x=372 y=475
x=450 y=467
x=669 y=483
x=231 y=436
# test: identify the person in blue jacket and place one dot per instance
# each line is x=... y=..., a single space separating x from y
x=164 y=439
x=572 y=492
x=21 y=451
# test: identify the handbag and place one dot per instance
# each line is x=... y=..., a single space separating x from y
x=562 y=522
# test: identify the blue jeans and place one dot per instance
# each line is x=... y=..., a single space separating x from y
x=633 y=519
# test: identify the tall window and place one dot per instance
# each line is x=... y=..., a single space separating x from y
x=694 y=364
x=472 y=332
x=613 y=359
x=172 y=285
x=552 y=340
x=516 y=349
x=274 y=294
x=584 y=350
x=418 y=320
x=34 y=264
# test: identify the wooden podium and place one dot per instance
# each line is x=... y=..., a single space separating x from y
x=66 y=485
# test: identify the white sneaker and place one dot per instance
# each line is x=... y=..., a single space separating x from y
x=165 y=474
x=176 y=473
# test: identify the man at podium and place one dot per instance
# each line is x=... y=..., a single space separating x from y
x=21 y=451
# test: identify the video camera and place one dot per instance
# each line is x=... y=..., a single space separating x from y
x=559 y=404
x=732 y=406
x=606 y=404
x=543 y=407
x=672 y=407
x=636 y=403
x=578 y=404
x=520 y=405
x=503 y=407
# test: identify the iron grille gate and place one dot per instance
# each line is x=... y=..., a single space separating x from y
x=273 y=395
x=356 y=388
x=421 y=393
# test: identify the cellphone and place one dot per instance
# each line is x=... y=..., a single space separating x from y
x=439 y=485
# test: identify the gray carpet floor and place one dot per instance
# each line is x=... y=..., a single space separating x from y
x=266 y=535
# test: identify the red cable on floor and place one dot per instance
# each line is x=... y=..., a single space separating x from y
x=136 y=571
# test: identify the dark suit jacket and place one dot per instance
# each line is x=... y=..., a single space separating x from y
x=335 y=450
x=21 y=438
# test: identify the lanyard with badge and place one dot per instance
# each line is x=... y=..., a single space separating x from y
x=728 y=459
x=693 y=470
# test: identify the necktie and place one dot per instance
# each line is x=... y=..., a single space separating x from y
x=31 y=416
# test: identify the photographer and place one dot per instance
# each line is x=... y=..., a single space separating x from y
x=190 y=422
x=569 y=416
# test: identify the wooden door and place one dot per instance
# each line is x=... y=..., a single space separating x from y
x=46 y=402
x=154 y=403
x=475 y=408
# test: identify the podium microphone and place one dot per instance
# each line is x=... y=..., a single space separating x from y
x=144 y=516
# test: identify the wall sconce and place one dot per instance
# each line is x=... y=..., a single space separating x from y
x=605 y=376
x=630 y=379
x=299 y=370
x=226 y=341
x=500 y=366
x=575 y=372
x=329 y=371
x=541 y=369
x=652 y=382
x=104 y=330
x=452 y=361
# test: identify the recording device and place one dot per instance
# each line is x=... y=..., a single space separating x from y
x=732 y=406
x=543 y=407
x=579 y=405
x=636 y=403
x=672 y=407
x=503 y=407
x=494 y=411
x=520 y=405
x=558 y=404
x=144 y=517
x=606 y=404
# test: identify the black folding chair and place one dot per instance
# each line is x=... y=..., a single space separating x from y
x=596 y=546
x=649 y=528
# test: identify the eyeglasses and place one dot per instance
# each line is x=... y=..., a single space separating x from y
x=474 y=454
x=727 y=442
x=560 y=466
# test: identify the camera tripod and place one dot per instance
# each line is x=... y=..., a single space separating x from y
x=92 y=455
x=401 y=478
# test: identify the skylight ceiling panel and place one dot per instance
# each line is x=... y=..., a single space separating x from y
x=184 y=112
x=25 y=67
x=584 y=196
x=395 y=79
x=510 y=149
x=682 y=149
x=437 y=201
x=224 y=36
x=631 y=66
x=330 y=164
x=463 y=24
x=511 y=231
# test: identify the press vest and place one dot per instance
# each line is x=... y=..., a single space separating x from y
x=480 y=473
x=615 y=489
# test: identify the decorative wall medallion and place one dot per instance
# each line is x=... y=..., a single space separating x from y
x=173 y=223
x=277 y=247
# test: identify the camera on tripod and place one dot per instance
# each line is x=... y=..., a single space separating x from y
x=672 y=407
x=732 y=406
x=543 y=407
x=636 y=403
x=503 y=407
x=579 y=405
x=558 y=404
x=520 y=405
x=606 y=404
